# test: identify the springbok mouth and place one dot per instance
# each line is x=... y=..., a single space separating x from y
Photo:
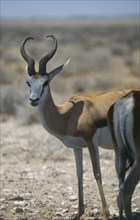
x=34 y=103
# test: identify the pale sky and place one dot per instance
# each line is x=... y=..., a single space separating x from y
x=64 y=8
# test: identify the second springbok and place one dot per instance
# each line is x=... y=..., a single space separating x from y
x=124 y=123
x=75 y=122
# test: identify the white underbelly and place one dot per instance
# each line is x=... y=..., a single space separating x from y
x=73 y=142
x=102 y=138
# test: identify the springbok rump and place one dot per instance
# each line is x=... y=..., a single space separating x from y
x=124 y=124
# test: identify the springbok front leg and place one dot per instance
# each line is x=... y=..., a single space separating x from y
x=94 y=155
x=78 y=152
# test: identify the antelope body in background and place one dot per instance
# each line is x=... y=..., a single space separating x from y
x=75 y=122
x=124 y=123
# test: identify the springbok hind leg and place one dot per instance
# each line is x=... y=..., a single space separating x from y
x=128 y=189
x=120 y=163
x=94 y=155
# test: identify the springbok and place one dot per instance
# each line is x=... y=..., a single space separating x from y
x=75 y=122
x=124 y=124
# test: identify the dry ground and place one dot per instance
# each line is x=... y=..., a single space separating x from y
x=38 y=178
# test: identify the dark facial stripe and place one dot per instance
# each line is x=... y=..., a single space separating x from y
x=45 y=84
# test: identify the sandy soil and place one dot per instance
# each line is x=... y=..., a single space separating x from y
x=38 y=178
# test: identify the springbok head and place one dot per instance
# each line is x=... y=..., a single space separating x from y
x=39 y=81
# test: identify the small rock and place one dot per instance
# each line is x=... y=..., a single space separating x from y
x=20 y=203
x=23 y=218
x=74 y=206
x=63 y=203
x=45 y=201
x=65 y=211
x=18 y=198
x=36 y=212
x=73 y=198
x=69 y=189
x=136 y=209
x=18 y=209
x=58 y=214
x=2 y=199
x=3 y=208
x=33 y=202
x=44 y=167
x=29 y=210
x=96 y=211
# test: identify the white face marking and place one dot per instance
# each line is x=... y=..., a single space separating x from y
x=38 y=89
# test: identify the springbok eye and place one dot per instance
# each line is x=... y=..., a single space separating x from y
x=28 y=83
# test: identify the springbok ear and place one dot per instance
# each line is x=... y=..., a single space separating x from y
x=57 y=70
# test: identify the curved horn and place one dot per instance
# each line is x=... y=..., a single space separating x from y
x=43 y=62
x=29 y=60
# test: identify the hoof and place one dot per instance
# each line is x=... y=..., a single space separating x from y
x=78 y=215
x=105 y=217
x=136 y=216
x=106 y=213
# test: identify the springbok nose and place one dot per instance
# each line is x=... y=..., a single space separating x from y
x=33 y=102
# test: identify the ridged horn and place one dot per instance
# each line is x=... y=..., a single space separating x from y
x=29 y=60
x=43 y=62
